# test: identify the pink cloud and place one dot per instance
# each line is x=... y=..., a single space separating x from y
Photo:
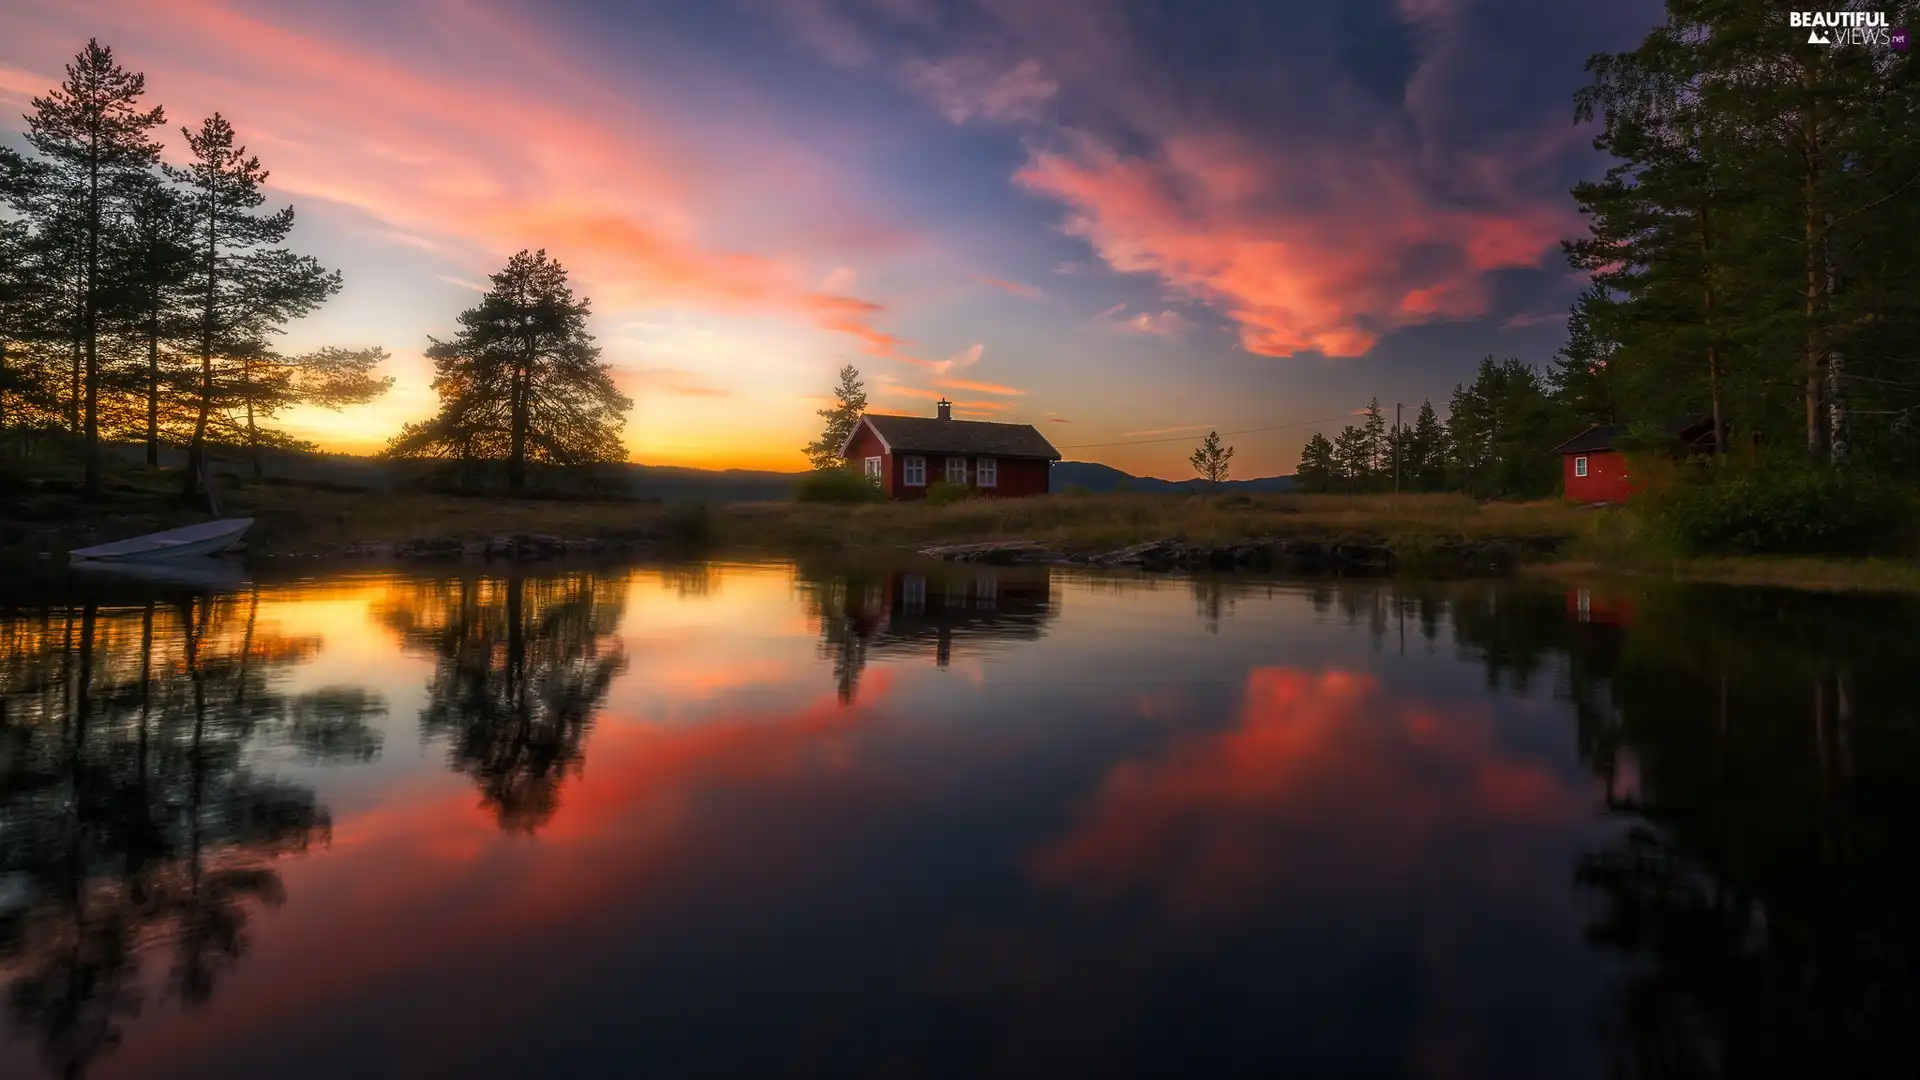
x=971 y=86
x=1025 y=292
x=1166 y=324
x=1306 y=250
x=631 y=198
x=978 y=387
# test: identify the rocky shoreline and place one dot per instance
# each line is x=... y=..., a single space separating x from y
x=1309 y=558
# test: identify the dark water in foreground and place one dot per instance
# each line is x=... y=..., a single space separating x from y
x=757 y=820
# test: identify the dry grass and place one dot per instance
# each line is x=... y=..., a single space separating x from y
x=1089 y=522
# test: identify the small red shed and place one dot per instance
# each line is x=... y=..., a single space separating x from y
x=1595 y=471
x=907 y=453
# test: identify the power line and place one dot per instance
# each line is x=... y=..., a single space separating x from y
x=1187 y=438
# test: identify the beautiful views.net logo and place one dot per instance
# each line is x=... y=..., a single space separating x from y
x=1848 y=28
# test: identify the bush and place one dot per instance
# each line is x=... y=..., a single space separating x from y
x=1804 y=512
x=941 y=493
x=1078 y=491
x=837 y=486
x=687 y=525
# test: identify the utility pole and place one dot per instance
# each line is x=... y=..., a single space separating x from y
x=1398 y=437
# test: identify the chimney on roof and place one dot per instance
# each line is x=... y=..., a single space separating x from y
x=946 y=409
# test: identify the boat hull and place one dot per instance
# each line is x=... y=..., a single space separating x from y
x=189 y=542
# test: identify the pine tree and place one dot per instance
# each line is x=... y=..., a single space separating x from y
x=1212 y=460
x=1352 y=459
x=1317 y=470
x=1426 y=453
x=150 y=305
x=1374 y=430
x=522 y=381
x=850 y=404
x=98 y=146
x=244 y=288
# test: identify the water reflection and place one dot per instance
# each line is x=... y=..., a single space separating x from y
x=521 y=666
x=923 y=610
x=964 y=820
x=1762 y=747
x=129 y=819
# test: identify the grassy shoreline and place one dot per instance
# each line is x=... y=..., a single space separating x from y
x=1552 y=538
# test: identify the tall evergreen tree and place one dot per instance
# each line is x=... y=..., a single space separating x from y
x=850 y=404
x=150 y=309
x=1379 y=450
x=522 y=381
x=97 y=142
x=244 y=287
x=1352 y=459
x=1426 y=450
x=1317 y=470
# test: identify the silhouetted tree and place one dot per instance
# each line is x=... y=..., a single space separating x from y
x=850 y=404
x=522 y=381
x=96 y=143
x=1211 y=460
x=245 y=288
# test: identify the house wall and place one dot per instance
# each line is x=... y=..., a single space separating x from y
x=1018 y=476
x=865 y=445
x=1606 y=480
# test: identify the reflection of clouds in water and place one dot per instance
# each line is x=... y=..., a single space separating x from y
x=1325 y=784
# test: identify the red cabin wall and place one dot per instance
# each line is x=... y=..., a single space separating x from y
x=1018 y=476
x=1606 y=480
x=865 y=445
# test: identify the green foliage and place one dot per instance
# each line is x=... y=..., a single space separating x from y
x=837 y=485
x=941 y=493
x=1797 y=512
x=850 y=404
x=1077 y=491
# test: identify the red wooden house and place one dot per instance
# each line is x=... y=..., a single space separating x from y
x=1593 y=469
x=907 y=453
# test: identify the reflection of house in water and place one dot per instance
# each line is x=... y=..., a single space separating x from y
x=942 y=611
x=912 y=612
x=1596 y=606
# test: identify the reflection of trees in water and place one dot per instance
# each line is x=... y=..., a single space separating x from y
x=933 y=610
x=1761 y=749
x=522 y=666
x=130 y=822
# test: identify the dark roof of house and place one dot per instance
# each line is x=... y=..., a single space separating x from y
x=1603 y=436
x=931 y=435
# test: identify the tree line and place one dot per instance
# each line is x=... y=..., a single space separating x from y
x=1495 y=441
x=140 y=300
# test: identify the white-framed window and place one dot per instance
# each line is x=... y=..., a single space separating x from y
x=986 y=472
x=873 y=468
x=913 y=471
x=1580 y=466
x=913 y=593
x=957 y=471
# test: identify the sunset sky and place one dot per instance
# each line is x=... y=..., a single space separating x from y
x=1120 y=221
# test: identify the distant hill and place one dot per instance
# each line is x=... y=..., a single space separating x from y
x=1100 y=478
x=672 y=482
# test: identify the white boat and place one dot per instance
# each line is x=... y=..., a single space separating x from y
x=211 y=575
x=188 y=541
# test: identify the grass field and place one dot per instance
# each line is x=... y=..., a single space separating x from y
x=304 y=520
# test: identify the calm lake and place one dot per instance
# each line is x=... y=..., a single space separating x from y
x=768 y=819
